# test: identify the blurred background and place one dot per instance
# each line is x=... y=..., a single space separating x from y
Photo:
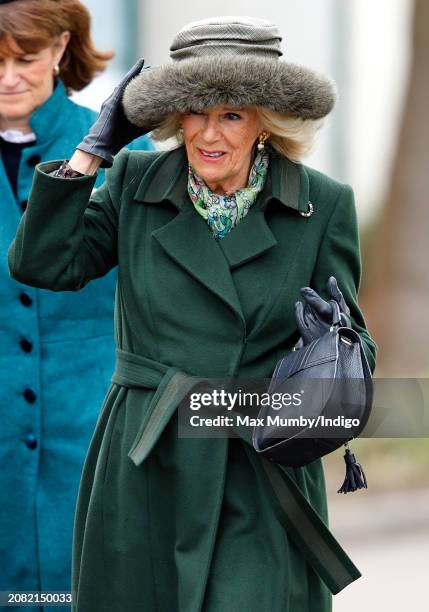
x=377 y=140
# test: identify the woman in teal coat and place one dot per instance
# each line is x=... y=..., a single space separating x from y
x=48 y=341
x=213 y=242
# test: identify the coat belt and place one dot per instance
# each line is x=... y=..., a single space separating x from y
x=316 y=543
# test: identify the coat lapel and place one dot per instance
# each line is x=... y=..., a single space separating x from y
x=10 y=214
x=188 y=241
x=248 y=240
x=290 y=183
x=186 y=238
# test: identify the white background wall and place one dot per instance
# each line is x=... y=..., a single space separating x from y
x=379 y=69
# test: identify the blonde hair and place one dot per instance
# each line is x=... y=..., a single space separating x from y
x=291 y=136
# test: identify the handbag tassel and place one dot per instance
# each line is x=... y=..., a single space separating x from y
x=355 y=476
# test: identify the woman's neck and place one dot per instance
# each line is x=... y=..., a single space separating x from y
x=226 y=189
x=233 y=184
x=19 y=124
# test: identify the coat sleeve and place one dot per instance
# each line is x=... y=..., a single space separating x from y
x=67 y=236
x=339 y=256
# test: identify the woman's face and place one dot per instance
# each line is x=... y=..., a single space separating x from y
x=26 y=80
x=219 y=143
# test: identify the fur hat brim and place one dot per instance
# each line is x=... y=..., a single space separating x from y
x=196 y=84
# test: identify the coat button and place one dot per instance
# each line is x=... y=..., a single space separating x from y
x=26 y=346
x=23 y=205
x=30 y=396
x=33 y=160
x=25 y=299
x=31 y=442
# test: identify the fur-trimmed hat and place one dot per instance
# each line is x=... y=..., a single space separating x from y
x=230 y=61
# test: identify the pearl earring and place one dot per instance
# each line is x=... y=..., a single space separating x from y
x=261 y=143
x=56 y=70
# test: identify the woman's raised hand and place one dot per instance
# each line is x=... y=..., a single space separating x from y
x=112 y=130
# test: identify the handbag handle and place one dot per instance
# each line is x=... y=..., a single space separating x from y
x=338 y=318
x=336 y=315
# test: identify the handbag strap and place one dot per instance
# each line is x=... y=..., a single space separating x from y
x=317 y=544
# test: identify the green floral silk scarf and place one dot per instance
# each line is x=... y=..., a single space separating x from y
x=224 y=212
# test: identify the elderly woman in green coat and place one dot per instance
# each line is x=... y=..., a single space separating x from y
x=213 y=241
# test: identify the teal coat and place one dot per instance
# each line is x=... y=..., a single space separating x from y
x=167 y=523
x=46 y=418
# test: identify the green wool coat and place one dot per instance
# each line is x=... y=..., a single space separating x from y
x=166 y=523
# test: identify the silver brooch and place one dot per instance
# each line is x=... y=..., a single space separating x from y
x=309 y=212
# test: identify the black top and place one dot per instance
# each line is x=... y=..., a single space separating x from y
x=11 y=155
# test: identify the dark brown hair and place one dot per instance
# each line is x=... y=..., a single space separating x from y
x=35 y=24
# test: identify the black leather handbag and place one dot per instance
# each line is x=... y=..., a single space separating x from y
x=333 y=375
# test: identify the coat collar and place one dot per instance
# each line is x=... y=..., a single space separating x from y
x=186 y=238
x=49 y=118
x=167 y=178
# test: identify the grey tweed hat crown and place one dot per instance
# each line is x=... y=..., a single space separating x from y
x=230 y=61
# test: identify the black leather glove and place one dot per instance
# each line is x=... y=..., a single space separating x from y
x=112 y=130
x=315 y=317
